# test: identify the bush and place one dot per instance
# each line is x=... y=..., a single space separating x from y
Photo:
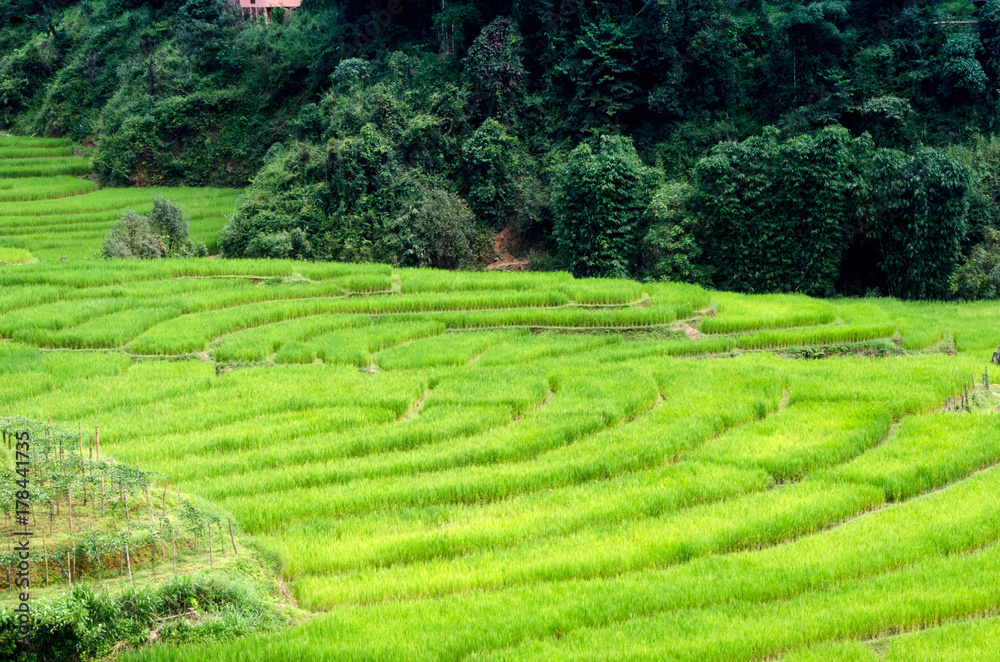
x=164 y=233
x=978 y=277
x=443 y=232
x=86 y=623
x=132 y=237
x=598 y=200
x=290 y=192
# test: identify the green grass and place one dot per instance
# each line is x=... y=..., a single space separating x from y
x=452 y=465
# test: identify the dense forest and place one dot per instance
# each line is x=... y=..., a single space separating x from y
x=819 y=146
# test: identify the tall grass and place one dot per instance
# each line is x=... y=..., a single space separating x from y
x=14 y=255
x=42 y=166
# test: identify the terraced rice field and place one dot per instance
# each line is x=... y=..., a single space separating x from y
x=50 y=208
x=532 y=467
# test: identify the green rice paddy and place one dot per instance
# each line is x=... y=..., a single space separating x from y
x=461 y=466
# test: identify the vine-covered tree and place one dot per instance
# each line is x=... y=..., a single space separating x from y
x=599 y=199
x=918 y=207
x=772 y=212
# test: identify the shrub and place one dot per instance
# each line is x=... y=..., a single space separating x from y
x=443 y=231
x=289 y=192
x=132 y=236
x=86 y=623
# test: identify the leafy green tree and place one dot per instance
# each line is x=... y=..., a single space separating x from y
x=988 y=24
x=815 y=38
x=168 y=221
x=918 y=204
x=494 y=67
x=492 y=160
x=600 y=67
x=598 y=200
x=961 y=76
x=772 y=213
x=669 y=249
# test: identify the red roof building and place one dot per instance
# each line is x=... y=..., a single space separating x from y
x=257 y=8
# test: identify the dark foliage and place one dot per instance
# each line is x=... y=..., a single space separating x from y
x=349 y=117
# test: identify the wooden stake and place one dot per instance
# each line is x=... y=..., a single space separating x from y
x=69 y=507
x=173 y=550
x=92 y=536
x=232 y=537
x=45 y=552
x=128 y=561
x=152 y=557
x=166 y=479
x=127 y=522
x=102 y=495
x=10 y=568
x=97 y=437
x=210 y=561
x=152 y=516
x=69 y=571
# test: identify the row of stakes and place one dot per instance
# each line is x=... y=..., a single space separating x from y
x=960 y=402
x=125 y=560
x=127 y=557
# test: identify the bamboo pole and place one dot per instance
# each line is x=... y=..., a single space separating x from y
x=102 y=495
x=127 y=522
x=210 y=560
x=232 y=538
x=166 y=479
x=97 y=436
x=69 y=571
x=98 y=553
x=173 y=550
x=128 y=561
x=69 y=507
x=149 y=502
x=45 y=552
